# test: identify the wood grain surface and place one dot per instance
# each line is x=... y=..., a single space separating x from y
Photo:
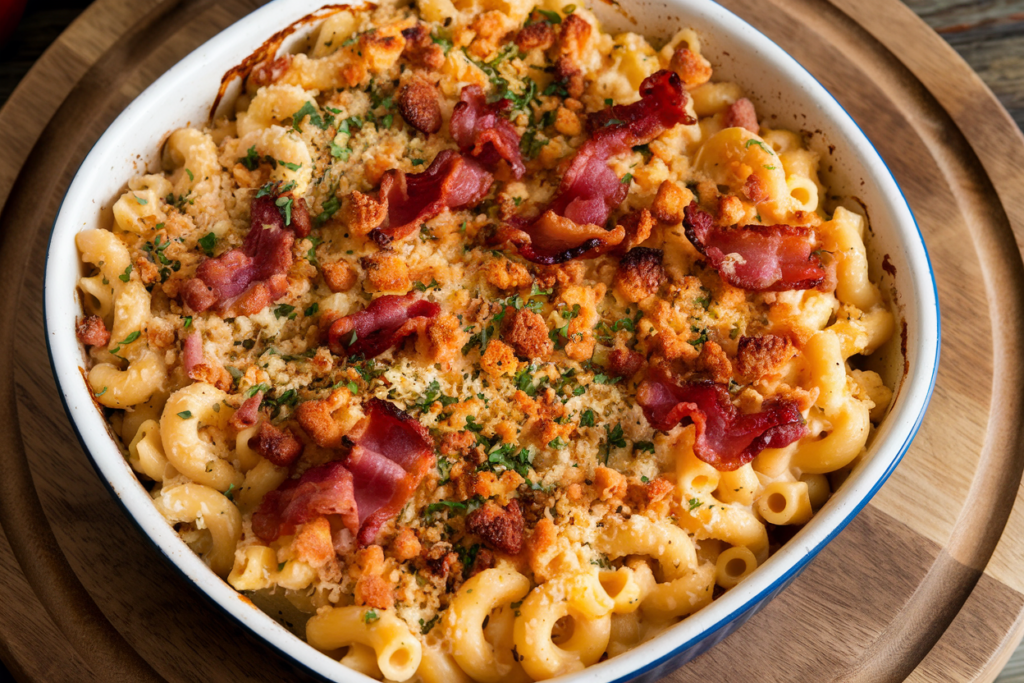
x=923 y=585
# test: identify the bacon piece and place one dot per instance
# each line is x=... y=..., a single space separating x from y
x=482 y=132
x=759 y=258
x=385 y=322
x=268 y=244
x=192 y=354
x=662 y=105
x=553 y=239
x=247 y=413
x=571 y=226
x=302 y=223
x=322 y=490
x=726 y=439
x=450 y=182
x=741 y=114
x=392 y=452
x=265 y=254
x=92 y=331
x=279 y=446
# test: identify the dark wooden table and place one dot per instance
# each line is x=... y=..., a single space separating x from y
x=988 y=34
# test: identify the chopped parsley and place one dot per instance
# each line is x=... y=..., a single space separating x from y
x=444 y=470
x=285 y=311
x=434 y=395
x=308 y=109
x=370 y=615
x=126 y=275
x=560 y=335
x=702 y=335
x=759 y=144
x=311 y=253
x=185 y=415
x=339 y=152
x=549 y=16
x=426 y=626
x=420 y=287
x=251 y=160
x=445 y=43
x=587 y=418
x=329 y=208
x=467 y=556
x=207 y=242
x=614 y=439
x=504 y=455
x=284 y=205
x=124 y=342
x=452 y=506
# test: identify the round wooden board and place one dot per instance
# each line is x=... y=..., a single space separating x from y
x=924 y=584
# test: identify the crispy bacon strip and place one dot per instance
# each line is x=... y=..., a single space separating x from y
x=483 y=133
x=452 y=181
x=248 y=413
x=265 y=257
x=726 y=439
x=192 y=353
x=553 y=239
x=392 y=452
x=384 y=323
x=572 y=225
x=759 y=258
x=322 y=490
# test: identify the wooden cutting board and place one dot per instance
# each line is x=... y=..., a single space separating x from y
x=925 y=584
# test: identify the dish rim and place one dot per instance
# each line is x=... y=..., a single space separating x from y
x=917 y=385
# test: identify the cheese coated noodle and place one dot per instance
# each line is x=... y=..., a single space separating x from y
x=208 y=509
x=463 y=623
x=198 y=406
x=398 y=651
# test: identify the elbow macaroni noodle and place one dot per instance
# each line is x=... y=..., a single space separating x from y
x=623 y=530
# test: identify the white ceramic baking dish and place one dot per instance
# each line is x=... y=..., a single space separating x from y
x=777 y=84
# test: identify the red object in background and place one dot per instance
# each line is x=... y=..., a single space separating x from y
x=10 y=15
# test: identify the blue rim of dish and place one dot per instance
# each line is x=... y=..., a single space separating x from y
x=755 y=602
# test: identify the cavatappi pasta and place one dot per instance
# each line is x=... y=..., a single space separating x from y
x=547 y=525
